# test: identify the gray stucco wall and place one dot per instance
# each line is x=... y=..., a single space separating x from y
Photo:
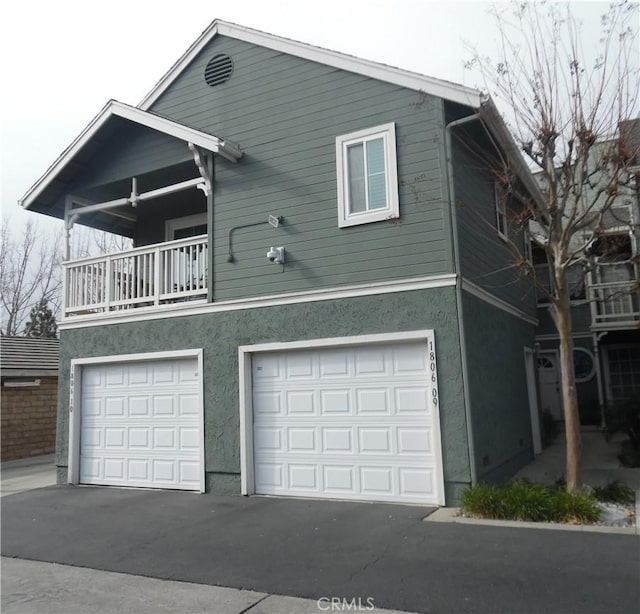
x=501 y=422
x=219 y=335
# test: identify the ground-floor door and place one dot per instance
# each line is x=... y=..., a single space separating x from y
x=549 y=381
x=358 y=422
x=141 y=424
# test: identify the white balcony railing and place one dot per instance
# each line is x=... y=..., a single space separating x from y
x=614 y=303
x=158 y=274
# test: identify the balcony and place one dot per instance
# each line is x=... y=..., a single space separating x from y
x=154 y=275
x=614 y=304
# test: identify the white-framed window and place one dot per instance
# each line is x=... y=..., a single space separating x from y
x=367 y=176
x=187 y=226
x=500 y=198
x=528 y=249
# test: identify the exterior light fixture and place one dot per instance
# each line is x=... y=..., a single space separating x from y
x=276 y=255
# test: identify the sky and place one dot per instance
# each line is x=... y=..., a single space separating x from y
x=62 y=60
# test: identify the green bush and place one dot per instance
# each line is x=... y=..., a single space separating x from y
x=574 y=507
x=615 y=492
x=522 y=500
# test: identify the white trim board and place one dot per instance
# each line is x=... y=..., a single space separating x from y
x=556 y=337
x=412 y=80
x=245 y=352
x=291 y=298
x=489 y=298
x=118 y=109
x=75 y=396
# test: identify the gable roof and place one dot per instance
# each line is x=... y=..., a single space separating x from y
x=382 y=72
x=29 y=356
x=113 y=109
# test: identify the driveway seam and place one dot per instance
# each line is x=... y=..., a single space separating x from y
x=253 y=605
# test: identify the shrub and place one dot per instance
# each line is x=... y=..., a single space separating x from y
x=614 y=492
x=483 y=500
x=574 y=507
x=522 y=500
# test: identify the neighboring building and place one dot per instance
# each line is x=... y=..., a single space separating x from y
x=29 y=395
x=606 y=313
x=320 y=302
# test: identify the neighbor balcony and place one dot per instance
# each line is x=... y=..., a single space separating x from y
x=614 y=304
x=154 y=275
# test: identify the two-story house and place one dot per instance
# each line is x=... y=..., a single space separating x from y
x=605 y=303
x=320 y=301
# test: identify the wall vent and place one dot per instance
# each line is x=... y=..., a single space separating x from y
x=218 y=70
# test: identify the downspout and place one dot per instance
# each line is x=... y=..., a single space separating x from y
x=210 y=202
x=453 y=226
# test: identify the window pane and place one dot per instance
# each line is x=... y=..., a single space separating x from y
x=375 y=169
x=190 y=231
x=355 y=165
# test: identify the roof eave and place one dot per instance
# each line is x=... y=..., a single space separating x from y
x=114 y=108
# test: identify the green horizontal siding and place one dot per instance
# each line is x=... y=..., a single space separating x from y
x=285 y=113
x=485 y=259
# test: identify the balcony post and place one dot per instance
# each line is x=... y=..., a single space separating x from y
x=107 y=285
x=156 y=275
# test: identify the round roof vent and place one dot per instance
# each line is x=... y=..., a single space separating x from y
x=218 y=70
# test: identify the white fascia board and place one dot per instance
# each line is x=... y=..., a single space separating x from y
x=161 y=124
x=118 y=109
x=411 y=80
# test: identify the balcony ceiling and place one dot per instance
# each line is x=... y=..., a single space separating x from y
x=120 y=143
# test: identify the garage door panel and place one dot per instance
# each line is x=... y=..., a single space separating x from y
x=408 y=362
x=141 y=425
x=303 y=477
x=350 y=423
x=413 y=399
x=372 y=401
x=338 y=401
x=188 y=405
x=334 y=364
x=299 y=402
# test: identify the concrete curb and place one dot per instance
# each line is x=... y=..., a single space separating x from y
x=450 y=514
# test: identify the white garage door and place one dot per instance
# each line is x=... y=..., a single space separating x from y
x=141 y=424
x=348 y=423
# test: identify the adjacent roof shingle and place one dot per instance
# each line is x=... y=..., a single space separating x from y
x=29 y=356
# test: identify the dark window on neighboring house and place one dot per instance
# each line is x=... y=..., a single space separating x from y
x=544 y=278
x=623 y=370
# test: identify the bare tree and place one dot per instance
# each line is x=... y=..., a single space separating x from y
x=567 y=112
x=29 y=273
x=87 y=242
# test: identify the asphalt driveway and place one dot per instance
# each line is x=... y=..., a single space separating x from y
x=315 y=549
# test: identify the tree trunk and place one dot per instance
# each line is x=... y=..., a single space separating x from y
x=569 y=392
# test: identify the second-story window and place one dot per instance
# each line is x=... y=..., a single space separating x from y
x=500 y=198
x=367 y=176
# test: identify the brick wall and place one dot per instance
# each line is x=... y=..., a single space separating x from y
x=28 y=419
